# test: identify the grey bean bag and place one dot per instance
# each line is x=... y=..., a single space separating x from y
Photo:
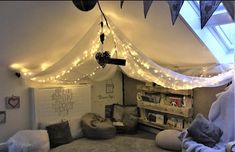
x=96 y=127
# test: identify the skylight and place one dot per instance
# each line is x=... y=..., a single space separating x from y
x=219 y=33
x=227 y=32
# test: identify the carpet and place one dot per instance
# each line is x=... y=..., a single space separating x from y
x=117 y=144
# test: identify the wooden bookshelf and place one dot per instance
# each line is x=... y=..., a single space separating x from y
x=174 y=108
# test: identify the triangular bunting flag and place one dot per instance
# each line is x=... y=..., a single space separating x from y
x=122 y=1
x=147 y=4
x=207 y=8
x=175 y=7
x=230 y=7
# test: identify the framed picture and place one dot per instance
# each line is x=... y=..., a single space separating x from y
x=2 y=117
x=109 y=88
x=12 y=102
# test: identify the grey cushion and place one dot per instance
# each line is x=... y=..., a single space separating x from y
x=131 y=110
x=96 y=127
x=130 y=123
x=59 y=134
x=130 y=120
x=168 y=139
x=205 y=132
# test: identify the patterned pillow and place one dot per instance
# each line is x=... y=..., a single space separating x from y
x=59 y=134
x=118 y=112
x=131 y=110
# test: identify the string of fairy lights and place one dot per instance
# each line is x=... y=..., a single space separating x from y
x=150 y=71
x=138 y=66
x=61 y=77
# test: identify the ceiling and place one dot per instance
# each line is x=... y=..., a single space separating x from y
x=39 y=33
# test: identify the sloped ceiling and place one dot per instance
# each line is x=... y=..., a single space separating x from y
x=40 y=33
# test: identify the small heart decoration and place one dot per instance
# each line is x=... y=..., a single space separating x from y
x=13 y=102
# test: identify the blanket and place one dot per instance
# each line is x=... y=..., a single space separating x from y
x=222 y=115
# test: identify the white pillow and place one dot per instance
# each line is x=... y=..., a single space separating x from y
x=29 y=141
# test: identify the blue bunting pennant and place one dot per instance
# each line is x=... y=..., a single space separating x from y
x=147 y=4
x=121 y=4
x=207 y=8
x=175 y=7
x=230 y=7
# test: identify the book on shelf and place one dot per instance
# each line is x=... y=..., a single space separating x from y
x=156 y=118
x=175 y=122
x=174 y=101
x=152 y=117
x=159 y=119
x=154 y=98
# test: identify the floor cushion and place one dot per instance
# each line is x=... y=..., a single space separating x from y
x=168 y=139
x=29 y=141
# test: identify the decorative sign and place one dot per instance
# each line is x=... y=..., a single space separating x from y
x=2 y=117
x=12 y=102
x=59 y=103
x=101 y=97
x=62 y=101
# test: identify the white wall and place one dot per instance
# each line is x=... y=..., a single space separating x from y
x=19 y=119
x=16 y=119
x=100 y=98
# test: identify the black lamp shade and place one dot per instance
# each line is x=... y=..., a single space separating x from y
x=85 y=5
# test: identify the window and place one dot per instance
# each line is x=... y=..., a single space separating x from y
x=227 y=33
x=218 y=34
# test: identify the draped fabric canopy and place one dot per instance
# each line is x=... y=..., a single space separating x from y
x=80 y=65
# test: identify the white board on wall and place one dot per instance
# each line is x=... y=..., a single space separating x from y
x=59 y=103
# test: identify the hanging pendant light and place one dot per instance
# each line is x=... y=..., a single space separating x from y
x=85 y=5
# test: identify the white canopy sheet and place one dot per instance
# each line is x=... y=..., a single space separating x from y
x=80 y=65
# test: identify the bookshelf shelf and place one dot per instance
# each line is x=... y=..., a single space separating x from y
x=164 y=108
x=158 y=126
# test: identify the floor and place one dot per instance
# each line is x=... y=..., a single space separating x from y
x=141 y=142
x=141 y=134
